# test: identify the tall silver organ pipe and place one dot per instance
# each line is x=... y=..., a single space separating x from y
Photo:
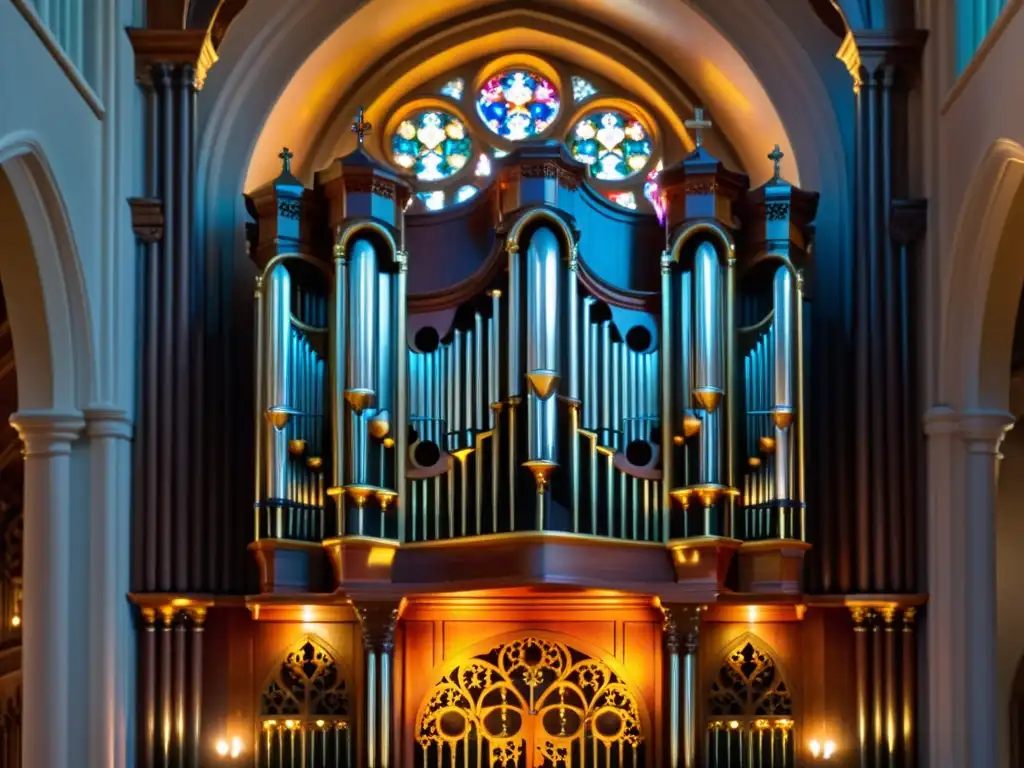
x=383 y=384
x=515 y=372
x=363 y=348
x=708 y=384
x=782 y=407
x=338 y=340
x=542 y=263
x=277 y=336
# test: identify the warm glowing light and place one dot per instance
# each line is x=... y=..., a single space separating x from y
x=236 y=747
x=15 y=621
x=822 y=751
x=380 y=557
x=289 y=724
x=752 y=614
x=734 y=724
x=319 y=723
x=223 y=747
x=307 y=613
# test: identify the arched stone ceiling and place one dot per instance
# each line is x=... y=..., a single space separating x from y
x=348 y=47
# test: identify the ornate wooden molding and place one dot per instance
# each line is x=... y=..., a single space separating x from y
x=147 y=218
x=173 y=47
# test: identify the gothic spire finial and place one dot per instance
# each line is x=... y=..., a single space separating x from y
x=286 y=160
x=776 y=156
x=698 y=124
x=361 y=128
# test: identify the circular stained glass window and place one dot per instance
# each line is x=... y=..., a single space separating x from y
x=434 y=145
x=615 y=145
x=517 y=104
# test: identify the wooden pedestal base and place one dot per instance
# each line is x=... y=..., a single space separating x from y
x=360 y=559
x=288 y=566
x=775 y=565
x=703 y=562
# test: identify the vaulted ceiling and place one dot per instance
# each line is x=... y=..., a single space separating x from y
x=330 y=57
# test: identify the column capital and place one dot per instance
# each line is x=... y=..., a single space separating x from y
x=378 y=621
x=48 y=433
x=681 y=626
x=983 y=430
x=107 y=421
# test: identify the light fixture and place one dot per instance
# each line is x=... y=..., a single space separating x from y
x=822 y=751
x=15 y=620
x=229 y=748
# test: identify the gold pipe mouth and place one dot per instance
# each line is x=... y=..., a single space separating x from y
x=708 y=494
x=314 y=463
x=766 y=444
x=541 y=469
x=297 y=447
x=379 y=426
x=754 y=461
x=691 y=425
x=708 y=398
x=782 y=415
x=360 y=399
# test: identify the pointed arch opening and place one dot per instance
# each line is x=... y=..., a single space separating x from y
x=750 y=709
x=531 y=701
x=305 y=710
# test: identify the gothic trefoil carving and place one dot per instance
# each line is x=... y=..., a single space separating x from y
x=530 y=697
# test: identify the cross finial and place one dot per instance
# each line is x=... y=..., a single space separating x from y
x=776 y=156
x=698 y=124
x=286 y=160
x=361 y=128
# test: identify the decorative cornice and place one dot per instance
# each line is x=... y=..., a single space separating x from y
x=48 y=433
x=147 y=218
x=172 y=48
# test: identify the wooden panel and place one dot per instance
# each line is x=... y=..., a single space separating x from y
x=418 y=654
x=460 y=635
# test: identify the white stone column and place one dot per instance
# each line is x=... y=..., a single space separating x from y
x=958 y=696
x=982 y=434
x=46 y=628
x=111 y=640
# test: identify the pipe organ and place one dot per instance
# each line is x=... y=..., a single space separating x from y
x=535 y=396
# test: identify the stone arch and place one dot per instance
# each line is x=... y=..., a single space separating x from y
x=44 y=284
x=983 y=290
x=525 y=678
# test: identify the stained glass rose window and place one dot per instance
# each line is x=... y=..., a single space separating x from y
x=615 y=145
x=517 y=104
x=433 y=144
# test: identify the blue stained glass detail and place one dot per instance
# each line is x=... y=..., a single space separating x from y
x=581 y=89
x=613 y=144
x=465 y=192
x=518 y=104
x=434 y=201
x=453 y=89
x=433 y=144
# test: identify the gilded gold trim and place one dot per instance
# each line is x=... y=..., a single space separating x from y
x=704 y=226
x=349 y=231
x=545 y=537
x=512 y=238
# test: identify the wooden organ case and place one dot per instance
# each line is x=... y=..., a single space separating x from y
x=513 y=459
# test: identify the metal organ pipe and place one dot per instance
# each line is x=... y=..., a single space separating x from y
x=362 y=350
x=708 y=382
x=277 y=330
x=361 y=392
x=782 y=407
x=542 y=342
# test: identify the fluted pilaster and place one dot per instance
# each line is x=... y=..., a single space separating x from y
x=884 y=468
x=378 y=621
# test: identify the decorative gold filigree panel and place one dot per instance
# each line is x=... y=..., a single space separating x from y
x=304 y=710
x=750 y=712
x=531 y=703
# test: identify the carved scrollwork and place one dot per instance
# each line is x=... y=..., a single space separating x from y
x=532 y=698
